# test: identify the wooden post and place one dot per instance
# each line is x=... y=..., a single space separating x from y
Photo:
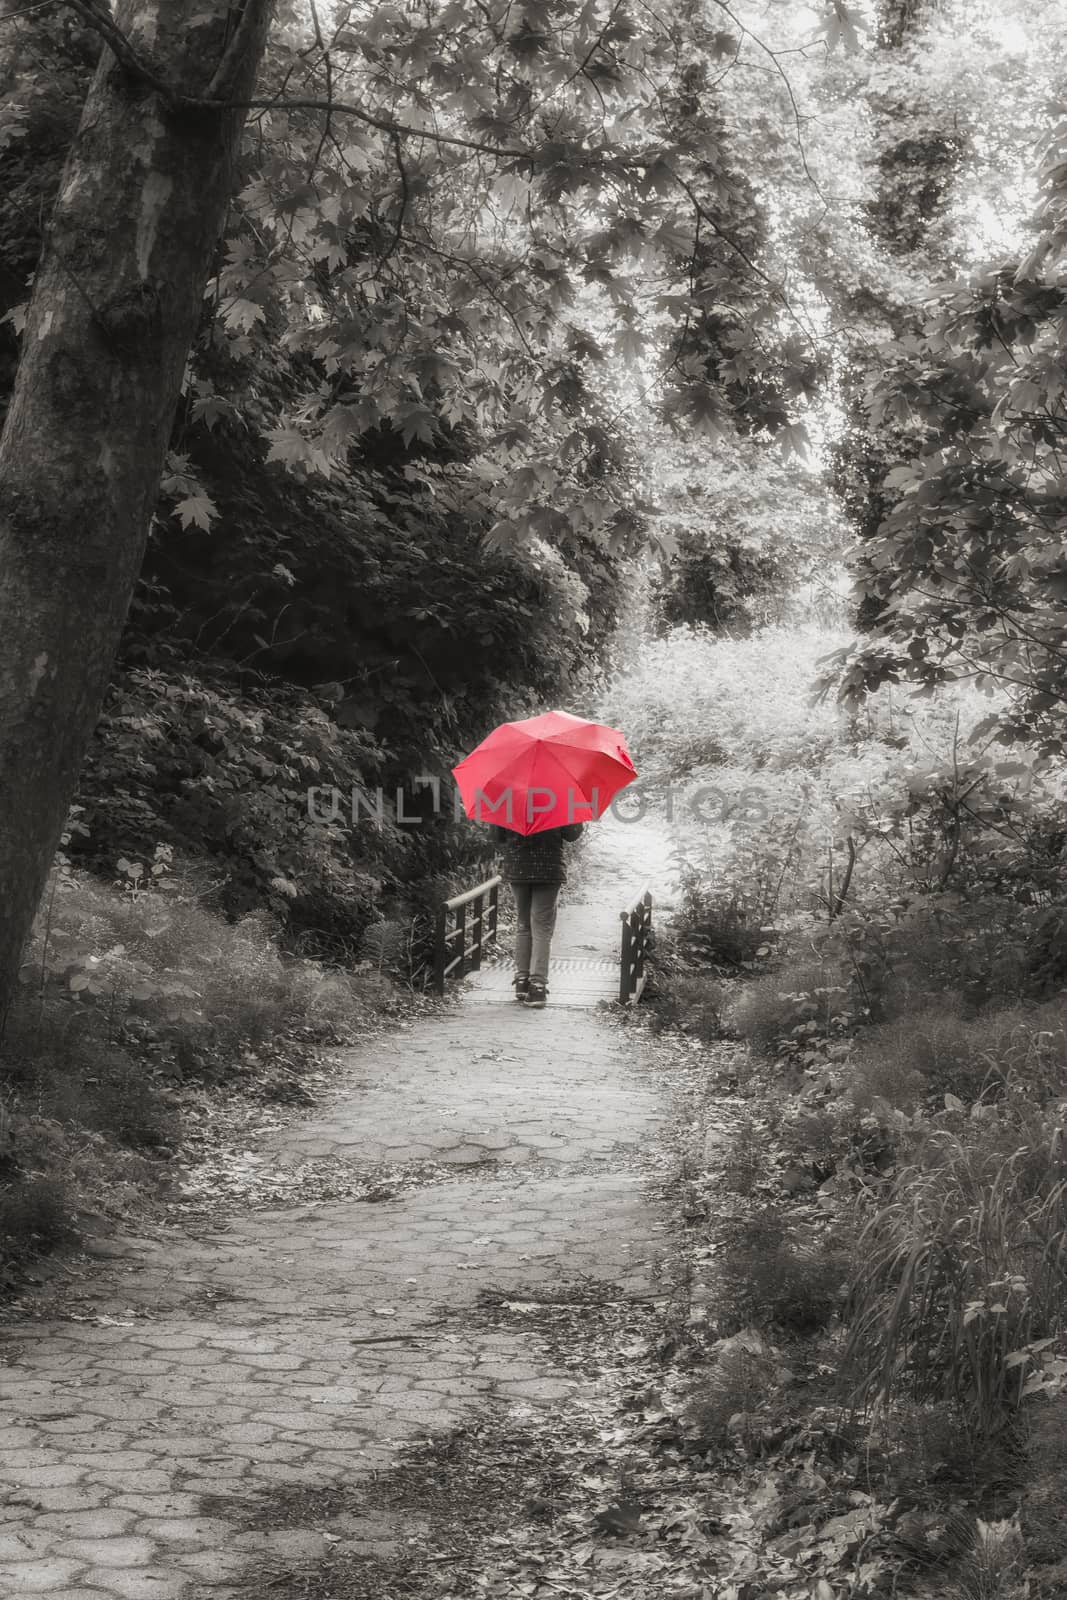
x=477 y=932
x=636 y=941
x=494 y=910
x=645 y=910
x=624 y=974
x=440 y=949
x=461 y=939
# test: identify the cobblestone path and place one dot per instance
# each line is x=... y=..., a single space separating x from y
x=301 y=1347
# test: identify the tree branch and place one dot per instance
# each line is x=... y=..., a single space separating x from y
x=705 y=216
x=27 y=11
x=176 y=98
x=129 y=58
x=395 y=130
x=222 y=77
x=123 y=50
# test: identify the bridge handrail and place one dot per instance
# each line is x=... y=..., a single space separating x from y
x=482 y=927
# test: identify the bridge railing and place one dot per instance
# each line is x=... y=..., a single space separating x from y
x=636 y=947
x=466 y=927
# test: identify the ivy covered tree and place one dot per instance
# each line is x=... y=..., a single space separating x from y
x=917 y=149
x=116 y=303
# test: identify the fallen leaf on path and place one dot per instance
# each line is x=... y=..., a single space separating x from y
x=622 y=1517
x=101 y=1322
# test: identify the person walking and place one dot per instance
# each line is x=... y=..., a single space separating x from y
x=533 y=864
x=538 y=771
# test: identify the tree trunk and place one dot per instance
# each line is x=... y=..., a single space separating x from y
x=116 y=303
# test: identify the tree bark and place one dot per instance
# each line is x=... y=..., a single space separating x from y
x=116 y=303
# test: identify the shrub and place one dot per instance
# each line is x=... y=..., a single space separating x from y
x=67 y=1069
x=726 y=929
x=765 y=1280
x=220 y=771
x=923 y=968
x=732 y=925
x=684 y=708
x=743 y=1163
x=969 y=847
x=722 y=586
x=936 y=1052
x=179 y=969
x=1046 y=951
x=692 y=1002
x=743 y=1376
x=128 y=1106
x=880 y=1078
x=35 y=1218
x=128 y=987
x=819 y=1138
x=801 y=1002
x=912 y=1446
x=1046 y=1534
x=899 y=955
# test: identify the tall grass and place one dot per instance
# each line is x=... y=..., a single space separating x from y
x=963 y=1270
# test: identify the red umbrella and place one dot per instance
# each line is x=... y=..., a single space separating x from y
x=544 y=772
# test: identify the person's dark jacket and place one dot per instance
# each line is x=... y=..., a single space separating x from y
x=538 y=858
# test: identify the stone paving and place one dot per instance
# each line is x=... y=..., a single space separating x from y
x=303 y=1346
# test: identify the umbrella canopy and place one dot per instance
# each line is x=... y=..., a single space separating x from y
x=544 y=772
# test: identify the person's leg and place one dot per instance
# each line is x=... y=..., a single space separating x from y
x=523 y=935
x=543 y=901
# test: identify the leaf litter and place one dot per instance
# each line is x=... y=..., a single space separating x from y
x=627 y=1491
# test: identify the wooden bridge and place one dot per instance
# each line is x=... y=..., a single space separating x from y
x=582 y=972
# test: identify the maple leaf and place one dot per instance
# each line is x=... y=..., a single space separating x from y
x=673 y=238
x=628 y=235
x=630 y=344
x=243 y=315
x=196 y=511
x=210 y=407
x=659 y=179
x=583 y=347
x=521 y=485
x=331 y=251
x=794 y=439
x=16 y=316
x=703 y=410
x=178 y=476
x=843 y=26
x=415 y=421
x=290 y=446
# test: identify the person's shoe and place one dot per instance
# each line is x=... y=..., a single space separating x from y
x=537 y=992
x=521 y=986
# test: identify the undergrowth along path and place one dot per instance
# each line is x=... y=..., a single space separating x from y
x=293 y=1351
